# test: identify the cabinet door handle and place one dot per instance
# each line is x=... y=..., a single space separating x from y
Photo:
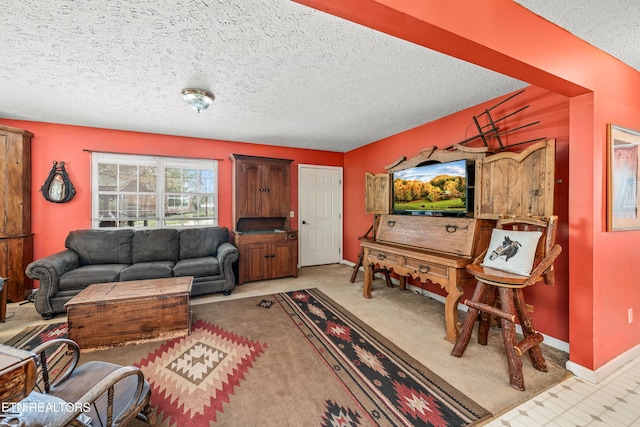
x=267 y=190
x=381 y=256
x=423 y=268
x=451 y=228
x=391 y=223
x=261 y=190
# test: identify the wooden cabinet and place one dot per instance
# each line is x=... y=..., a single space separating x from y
x=268 y=249
x=16 y=241
x=377 y=193
x=261 y=189
x=266 y=255
x=517 y=183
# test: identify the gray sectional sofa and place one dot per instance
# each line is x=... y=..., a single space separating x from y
x=98 y=256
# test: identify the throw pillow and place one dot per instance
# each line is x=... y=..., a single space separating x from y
x=512 y=251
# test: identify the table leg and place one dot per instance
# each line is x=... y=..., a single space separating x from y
x=368 y=278
x=454 y=293
x=403 y=282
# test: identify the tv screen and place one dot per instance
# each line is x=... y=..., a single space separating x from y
x=436 y=189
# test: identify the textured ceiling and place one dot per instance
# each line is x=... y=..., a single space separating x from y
x=283 y=74
x=612 y=25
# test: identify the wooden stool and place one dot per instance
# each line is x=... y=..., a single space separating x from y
x=507 y=289
x=356 y=267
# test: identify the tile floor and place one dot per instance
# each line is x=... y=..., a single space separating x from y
x=613 y=402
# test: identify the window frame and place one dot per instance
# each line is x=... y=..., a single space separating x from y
x=161 y=163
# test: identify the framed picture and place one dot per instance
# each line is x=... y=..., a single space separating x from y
x=623 y=172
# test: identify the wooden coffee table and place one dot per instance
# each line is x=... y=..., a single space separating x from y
x=111 y=314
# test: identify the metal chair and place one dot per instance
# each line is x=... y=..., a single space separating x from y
x=511 y=305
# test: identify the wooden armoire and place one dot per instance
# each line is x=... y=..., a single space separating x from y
x=267 y=247
x=16 y=240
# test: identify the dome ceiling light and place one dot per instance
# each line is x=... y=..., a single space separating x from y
x=198 y=99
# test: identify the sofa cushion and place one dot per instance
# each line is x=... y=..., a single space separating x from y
x=101 y=246
x=205 y=266
x=201 y=242
x=160 y=244
x=147 y=270
x=87 y=275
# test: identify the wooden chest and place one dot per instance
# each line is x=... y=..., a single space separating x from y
x=111 y=314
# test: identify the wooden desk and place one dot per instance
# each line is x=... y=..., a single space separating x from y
x=110 y=314
x=428 y=248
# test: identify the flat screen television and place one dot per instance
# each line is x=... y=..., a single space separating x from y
x=435 y=189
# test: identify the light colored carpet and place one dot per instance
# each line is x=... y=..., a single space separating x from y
x=413 y=322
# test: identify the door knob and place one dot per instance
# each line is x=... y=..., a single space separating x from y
x=305 y=222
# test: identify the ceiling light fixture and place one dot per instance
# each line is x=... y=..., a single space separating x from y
x=198 y=99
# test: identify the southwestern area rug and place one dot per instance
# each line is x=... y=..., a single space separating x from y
x=288 y=359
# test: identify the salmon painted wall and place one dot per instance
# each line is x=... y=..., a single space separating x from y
x=616 y=266
x=551 y=303
x=51 y=221
x=505 y=37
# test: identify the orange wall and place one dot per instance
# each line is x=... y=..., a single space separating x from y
x=615 y=254
x=552 y=110
x=503 y=36
x=51 y=222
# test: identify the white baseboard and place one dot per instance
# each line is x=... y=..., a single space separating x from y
x=605 y=370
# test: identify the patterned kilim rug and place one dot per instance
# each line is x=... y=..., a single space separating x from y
x=288 y=359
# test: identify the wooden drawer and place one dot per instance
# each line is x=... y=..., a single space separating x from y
x=449 y=235
x=291 y=235
x=424 y=267
x=377 y=255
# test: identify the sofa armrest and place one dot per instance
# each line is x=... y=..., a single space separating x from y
x=227 y=254
x=48 y=271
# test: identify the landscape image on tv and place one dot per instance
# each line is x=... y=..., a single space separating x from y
x=438 y=187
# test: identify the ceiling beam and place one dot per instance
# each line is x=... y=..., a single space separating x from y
x=494 y=34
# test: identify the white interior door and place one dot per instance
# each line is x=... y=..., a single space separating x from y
x=320 y=214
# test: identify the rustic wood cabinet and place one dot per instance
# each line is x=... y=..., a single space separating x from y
x=517 y=183
x=377 y=193
x=261 y=187
x=268 y=249
x=266 y=255
x=16 y=241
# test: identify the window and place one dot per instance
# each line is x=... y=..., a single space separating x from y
x=146 y=191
